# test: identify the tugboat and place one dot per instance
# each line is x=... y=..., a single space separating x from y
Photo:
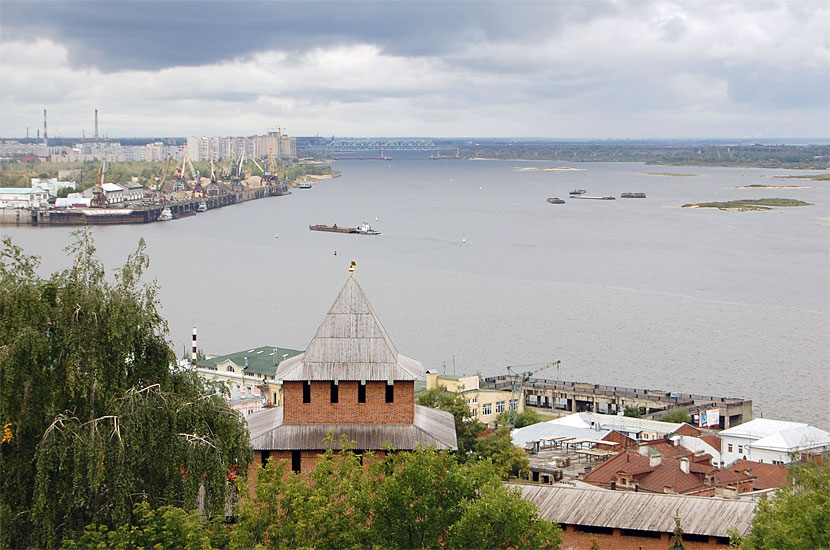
x=202 y=207
x=166 y=215
x=304 y=185
x=577 y=192
x=366 y=229
x=555 y=200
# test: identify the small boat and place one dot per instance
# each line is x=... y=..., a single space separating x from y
x=166 y=215
x=202 y=207
x=632 y=195
x=608 y=198
x=366 y=229
x=304 y=185
x=577 y=192
x=555 y=200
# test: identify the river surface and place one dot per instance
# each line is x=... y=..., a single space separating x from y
x=476 y=271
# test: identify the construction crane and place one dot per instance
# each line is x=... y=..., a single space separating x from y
x=519 y=379
x=99 y=198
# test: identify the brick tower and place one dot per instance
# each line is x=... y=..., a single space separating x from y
x=351 y=380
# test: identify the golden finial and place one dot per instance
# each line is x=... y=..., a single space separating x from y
x=351 y=269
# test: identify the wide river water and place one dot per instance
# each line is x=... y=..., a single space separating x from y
x=476 y=271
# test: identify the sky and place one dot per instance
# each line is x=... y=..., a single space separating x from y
x=555 y=69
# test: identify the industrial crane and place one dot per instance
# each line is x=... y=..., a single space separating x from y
x=519 y=379
x=99 y=198
x=181 y=184
x=213 y=186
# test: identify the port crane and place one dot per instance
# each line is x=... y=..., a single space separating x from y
x=181 y=184
x=519 y=379
x=99 y=198
x=213 y=186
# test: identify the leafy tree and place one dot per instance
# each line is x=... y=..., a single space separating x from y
x=326 y=508
x=799 y=514
x=99 y=418
x=466 y=427
x=508 y=459
x=164 y=527
x=501 y=518
x=520 y=420
x=677 y=416
x=633 y=412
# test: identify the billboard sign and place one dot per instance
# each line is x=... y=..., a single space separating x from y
x=708 y=418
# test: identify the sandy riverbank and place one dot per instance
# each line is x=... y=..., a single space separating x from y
x=548 y=169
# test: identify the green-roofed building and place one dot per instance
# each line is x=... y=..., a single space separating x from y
x=248 y=369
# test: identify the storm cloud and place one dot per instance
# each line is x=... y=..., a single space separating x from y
x=555 y=69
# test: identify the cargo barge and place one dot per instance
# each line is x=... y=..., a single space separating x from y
x=608 y=198
x=632 y=195
x=362 y=229
x=555 y=200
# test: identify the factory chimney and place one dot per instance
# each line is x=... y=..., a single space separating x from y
x=193 y=349
x=45 y=136
x=96 y=124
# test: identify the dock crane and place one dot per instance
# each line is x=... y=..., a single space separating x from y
x=99 y=198
x=181 y=184
x=519 y=379
x=213 y=186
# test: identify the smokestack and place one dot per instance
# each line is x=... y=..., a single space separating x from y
x=45 y=135
x=193 y=349
x=96 y=124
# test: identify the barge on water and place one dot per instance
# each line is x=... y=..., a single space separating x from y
x=555 y=200
x=632 y=195
x=362 y=229
x=608 y=198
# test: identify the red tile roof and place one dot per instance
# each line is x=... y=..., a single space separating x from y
x=767 y=476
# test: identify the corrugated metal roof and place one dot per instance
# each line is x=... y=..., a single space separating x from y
x=535 y=432
x=430 y=427
x=646 y=512
x=261 y=360
x=800 y=438
x=351 y=344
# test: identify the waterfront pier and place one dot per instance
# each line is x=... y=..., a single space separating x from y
x=552 y=396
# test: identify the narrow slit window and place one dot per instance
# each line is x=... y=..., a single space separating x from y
x=306 y=392
x=390 y=393
x=361 y=392
x=295 y=461
x=335 y=394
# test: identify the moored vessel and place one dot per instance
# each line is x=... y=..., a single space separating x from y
x=166 y=215
x=608 y=198
x=632 y=195
x=577 y=192
x=555 y=200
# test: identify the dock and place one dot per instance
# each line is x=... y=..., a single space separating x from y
x=552 y=396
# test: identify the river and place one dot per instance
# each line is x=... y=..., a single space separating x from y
x=476 y=271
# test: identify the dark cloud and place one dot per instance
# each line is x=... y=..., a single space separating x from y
x=118 y=35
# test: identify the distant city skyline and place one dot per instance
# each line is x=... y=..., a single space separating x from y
x=590 y=70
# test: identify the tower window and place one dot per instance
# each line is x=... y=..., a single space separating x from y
x=361 y=392
x=306 y=392
x=390 y=393
x=295 y=461
x=335 y=394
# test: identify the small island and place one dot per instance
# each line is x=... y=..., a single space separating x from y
x=762 y=186
x=748 y=204
x=811 y=177
x=670 y=174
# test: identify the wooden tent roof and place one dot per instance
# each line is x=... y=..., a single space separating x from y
x=351 y=344
x=430 y=427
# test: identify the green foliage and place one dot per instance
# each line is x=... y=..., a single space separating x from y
x=507 y=459
x=749 y=204
x=677 y=416
x=466 y=427
x=633 y=412
x=500 y=518
x=520 y=420
x=164 y=527
x=799 y=514
x=100 y=419
x=418 y=499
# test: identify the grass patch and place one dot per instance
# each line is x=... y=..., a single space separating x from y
x=749 y=204
x=811 y=177
x=670 y=174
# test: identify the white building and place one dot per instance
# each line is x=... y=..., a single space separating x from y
x=771 y=441
x=52 y=185
x=23 y=197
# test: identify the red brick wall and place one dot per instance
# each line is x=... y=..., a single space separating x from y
x=578 y=540
x=374 y=411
